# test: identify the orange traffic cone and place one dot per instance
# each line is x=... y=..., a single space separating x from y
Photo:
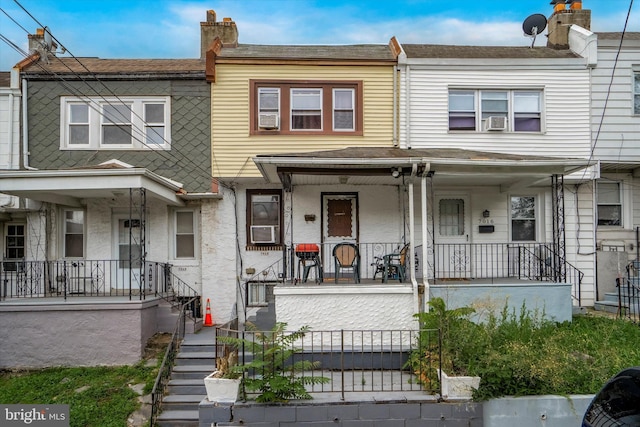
x=207 y=317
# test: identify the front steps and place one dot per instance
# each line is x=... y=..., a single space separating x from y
x=185 y=391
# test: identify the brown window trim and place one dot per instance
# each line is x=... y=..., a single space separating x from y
x=262 y=246
x=285 y=86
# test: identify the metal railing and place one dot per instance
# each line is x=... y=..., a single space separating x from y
x=164 y=373
x=352 y=360
x=38 y=279
x=629 y=293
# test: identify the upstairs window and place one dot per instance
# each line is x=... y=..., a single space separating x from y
x=306 y=108
x=636 y=93
x=495 y=110
x=609 y=199
x=123 y=123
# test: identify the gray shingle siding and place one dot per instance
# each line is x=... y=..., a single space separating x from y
x=188 y=161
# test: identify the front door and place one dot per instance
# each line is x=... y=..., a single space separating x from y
x=128 y=252
x=339 y=223
x=453 y=236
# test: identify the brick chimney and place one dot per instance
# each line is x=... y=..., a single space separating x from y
x=558 y=24
x=209 y=30
x=37 y=42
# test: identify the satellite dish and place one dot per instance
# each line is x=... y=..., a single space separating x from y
x=534 y=25
x=48 y=42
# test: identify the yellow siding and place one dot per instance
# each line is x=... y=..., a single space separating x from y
x=232 y=146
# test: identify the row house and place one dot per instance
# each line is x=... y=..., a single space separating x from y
x=114 y=181
x=339 y=187
x=615 y=126
x=364 y=180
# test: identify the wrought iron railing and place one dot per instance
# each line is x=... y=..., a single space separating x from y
x=629 y=293
x=352 y=360
x=66 y=278
x=164 y=373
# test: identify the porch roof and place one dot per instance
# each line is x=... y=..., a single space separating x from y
x=374 y=165
x=69 y=186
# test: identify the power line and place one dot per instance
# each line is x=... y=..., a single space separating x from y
x=161 y=153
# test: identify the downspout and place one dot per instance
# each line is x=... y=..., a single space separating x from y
x=412 y=259
x=396 y=74
x=25 y=127
x=407 y=101
x=423 y=211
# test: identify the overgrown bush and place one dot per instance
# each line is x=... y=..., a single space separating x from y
x=521 y=353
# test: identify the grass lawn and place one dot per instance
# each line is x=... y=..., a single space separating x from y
x=97 y=396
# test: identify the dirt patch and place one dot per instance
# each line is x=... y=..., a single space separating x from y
x=156 y=345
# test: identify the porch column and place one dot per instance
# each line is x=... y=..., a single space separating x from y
x=423 y=211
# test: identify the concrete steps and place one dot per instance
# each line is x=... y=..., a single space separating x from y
x=185 y=390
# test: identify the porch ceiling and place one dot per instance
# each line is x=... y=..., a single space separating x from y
x=70 y=187
x=374 y=166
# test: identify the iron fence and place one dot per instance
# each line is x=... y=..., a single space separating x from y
x=351 y=360
x=629 y=293
x=38 y=279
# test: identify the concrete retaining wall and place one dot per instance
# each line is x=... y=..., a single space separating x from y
x=75 y=333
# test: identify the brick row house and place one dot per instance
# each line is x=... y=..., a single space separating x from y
x=339 y=187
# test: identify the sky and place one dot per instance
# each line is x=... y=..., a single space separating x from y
x=171 y=28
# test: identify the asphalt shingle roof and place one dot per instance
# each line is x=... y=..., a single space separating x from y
x=492 y=52
x=367 y=52
x=67 y=65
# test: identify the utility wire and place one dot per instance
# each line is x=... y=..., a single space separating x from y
x=206 y=173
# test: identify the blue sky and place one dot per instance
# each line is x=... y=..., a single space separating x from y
x=171 y=28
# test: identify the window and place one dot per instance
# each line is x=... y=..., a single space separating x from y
x=343 y=109
x=636 y=92
x=185 y=234
x=523 y=218
x=73 y=229
x=264 y=217
x=509 y=110
x=13 y=245
x=451 y=217
x=609 y=203
x=124 y=123
x=306 y=108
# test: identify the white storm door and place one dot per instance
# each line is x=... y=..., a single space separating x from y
x=128 y=252
x=453 y=236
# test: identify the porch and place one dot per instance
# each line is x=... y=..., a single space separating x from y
x=488 y=276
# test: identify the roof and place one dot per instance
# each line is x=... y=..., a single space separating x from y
x=616 y=36
x=363 y=52
x=481 y=52
x=407 y=154
x=86 y=65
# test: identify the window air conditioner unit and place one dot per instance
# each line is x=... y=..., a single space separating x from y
x=496 y=123
x=263 y=234
x=268 y=120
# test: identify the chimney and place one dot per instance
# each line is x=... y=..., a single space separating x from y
x=559 y=23
x=209 y=30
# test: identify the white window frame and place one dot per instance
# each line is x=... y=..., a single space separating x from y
x=536 y=217
x=352 y=109
x=63 y=230
x=320 y=96
x=176 y=233
x=96 y=121
x=481 y=116
x=626 y=210
x=635 y=89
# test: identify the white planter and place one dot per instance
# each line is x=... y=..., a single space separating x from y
x=457 y=387
x=221 y=389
